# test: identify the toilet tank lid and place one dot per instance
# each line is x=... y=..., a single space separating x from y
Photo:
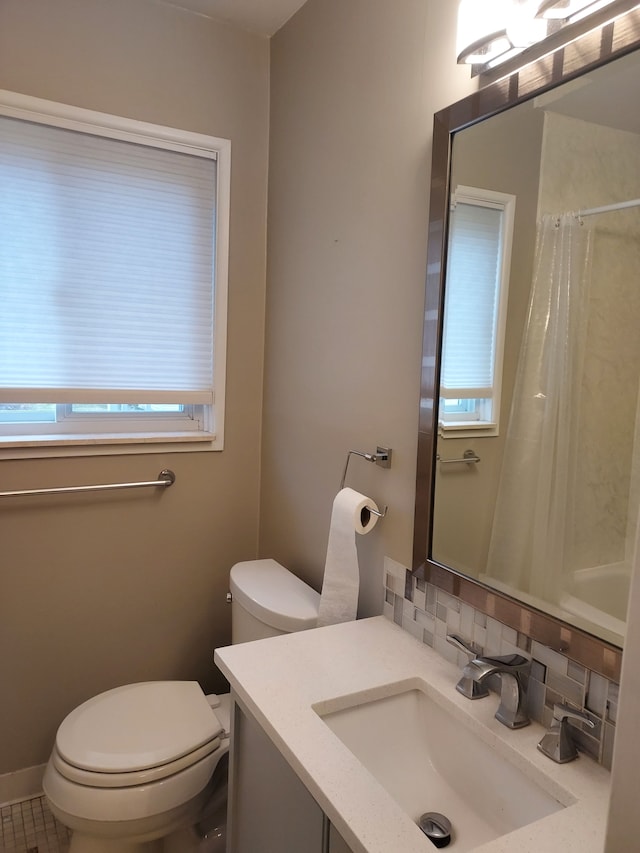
x=274 y=595
x=137 y=727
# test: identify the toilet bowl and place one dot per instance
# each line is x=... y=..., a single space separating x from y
x=133 y=767
x=117 y=785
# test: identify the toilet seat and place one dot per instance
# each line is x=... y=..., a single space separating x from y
x=170 y=726
x=97 y=779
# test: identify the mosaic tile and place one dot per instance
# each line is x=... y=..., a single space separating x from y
x=551 y=659
x=597 y=694
x=420 y=598
x=524 y=643
x=612 y=703
x=577 y=672
x=538 y=670
x=480 y=618
x=466 y=620
x=566 y=687
x=607 y=745
x=494 y=636
x=554 y=679
x=453 y=622
x=448 y=601
x=29 y=827
x=535 y=699
x=398 y=609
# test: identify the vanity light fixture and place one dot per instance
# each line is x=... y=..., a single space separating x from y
x=482 y=33
x=569 y=10
x=486 y=49
x=492 y=31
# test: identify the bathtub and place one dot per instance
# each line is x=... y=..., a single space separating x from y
x=599 y=595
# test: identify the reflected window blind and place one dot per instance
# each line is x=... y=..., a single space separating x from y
x=472 y=291
x=106 y=268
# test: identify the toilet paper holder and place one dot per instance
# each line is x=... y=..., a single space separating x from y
x=381 y=457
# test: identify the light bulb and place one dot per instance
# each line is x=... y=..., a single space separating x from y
x=481 y=23
x=523 y=27
x=491 y=29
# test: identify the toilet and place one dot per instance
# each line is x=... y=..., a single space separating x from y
x=133 y=768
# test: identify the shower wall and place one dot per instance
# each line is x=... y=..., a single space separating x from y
x=587 y=165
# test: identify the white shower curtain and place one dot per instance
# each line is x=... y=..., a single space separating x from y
x=532 y=522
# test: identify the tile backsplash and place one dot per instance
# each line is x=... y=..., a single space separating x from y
x=430 y=614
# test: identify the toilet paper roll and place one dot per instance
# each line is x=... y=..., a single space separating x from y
x=339 y=598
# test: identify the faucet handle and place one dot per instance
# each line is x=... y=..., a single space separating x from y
x=467 y=685
x=564 y=712
x=462 y=645
x=558 y=743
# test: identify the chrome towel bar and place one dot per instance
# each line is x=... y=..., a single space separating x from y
x=469 y=456
x=165 y=479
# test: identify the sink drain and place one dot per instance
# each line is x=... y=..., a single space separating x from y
x=436 y=827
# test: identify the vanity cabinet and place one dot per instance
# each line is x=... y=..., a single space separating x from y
x=337 y=844
x=270 y=810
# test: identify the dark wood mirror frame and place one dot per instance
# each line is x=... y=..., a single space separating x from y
x=536 y=70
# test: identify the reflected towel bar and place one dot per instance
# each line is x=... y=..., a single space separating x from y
x=165 y=479
x=470 y=457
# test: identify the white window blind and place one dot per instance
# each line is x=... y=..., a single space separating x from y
x=472 y=292
x=476 y=296
x=106 y=268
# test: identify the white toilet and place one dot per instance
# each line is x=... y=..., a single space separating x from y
x=132 y=768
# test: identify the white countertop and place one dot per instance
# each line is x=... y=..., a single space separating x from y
x=280 y=680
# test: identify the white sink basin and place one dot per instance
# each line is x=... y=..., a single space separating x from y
x=430 y=762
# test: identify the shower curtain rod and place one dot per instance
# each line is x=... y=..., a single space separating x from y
x=607 y=208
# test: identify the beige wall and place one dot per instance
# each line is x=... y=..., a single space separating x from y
x=103 y=590
x=98 y=591
x=354 y=88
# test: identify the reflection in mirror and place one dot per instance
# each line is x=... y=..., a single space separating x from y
x=548 y=514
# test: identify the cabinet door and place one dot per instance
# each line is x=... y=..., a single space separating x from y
x=337 y=844
x=270 y=809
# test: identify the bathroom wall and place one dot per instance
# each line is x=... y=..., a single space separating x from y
x=100 y=590
x=97 y=591
x=354 y=88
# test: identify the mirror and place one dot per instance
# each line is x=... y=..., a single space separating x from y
x=529 y=473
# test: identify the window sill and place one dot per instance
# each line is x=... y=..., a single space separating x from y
x=44 y=446
x=460 y=429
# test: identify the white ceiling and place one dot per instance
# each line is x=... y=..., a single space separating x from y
x=259 y=16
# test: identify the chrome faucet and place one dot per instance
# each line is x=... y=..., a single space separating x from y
x=467 y=685
x=510 y=668
x=558 y=743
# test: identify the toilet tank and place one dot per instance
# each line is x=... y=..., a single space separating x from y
x=268 y=600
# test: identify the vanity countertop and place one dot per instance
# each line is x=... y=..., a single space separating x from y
x=280 y=680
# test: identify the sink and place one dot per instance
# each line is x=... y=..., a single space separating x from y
x=430 y=759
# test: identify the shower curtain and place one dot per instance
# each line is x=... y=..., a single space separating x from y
x=531 y=534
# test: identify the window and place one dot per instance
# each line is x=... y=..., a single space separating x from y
x=113 y=278
x=479 y=255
